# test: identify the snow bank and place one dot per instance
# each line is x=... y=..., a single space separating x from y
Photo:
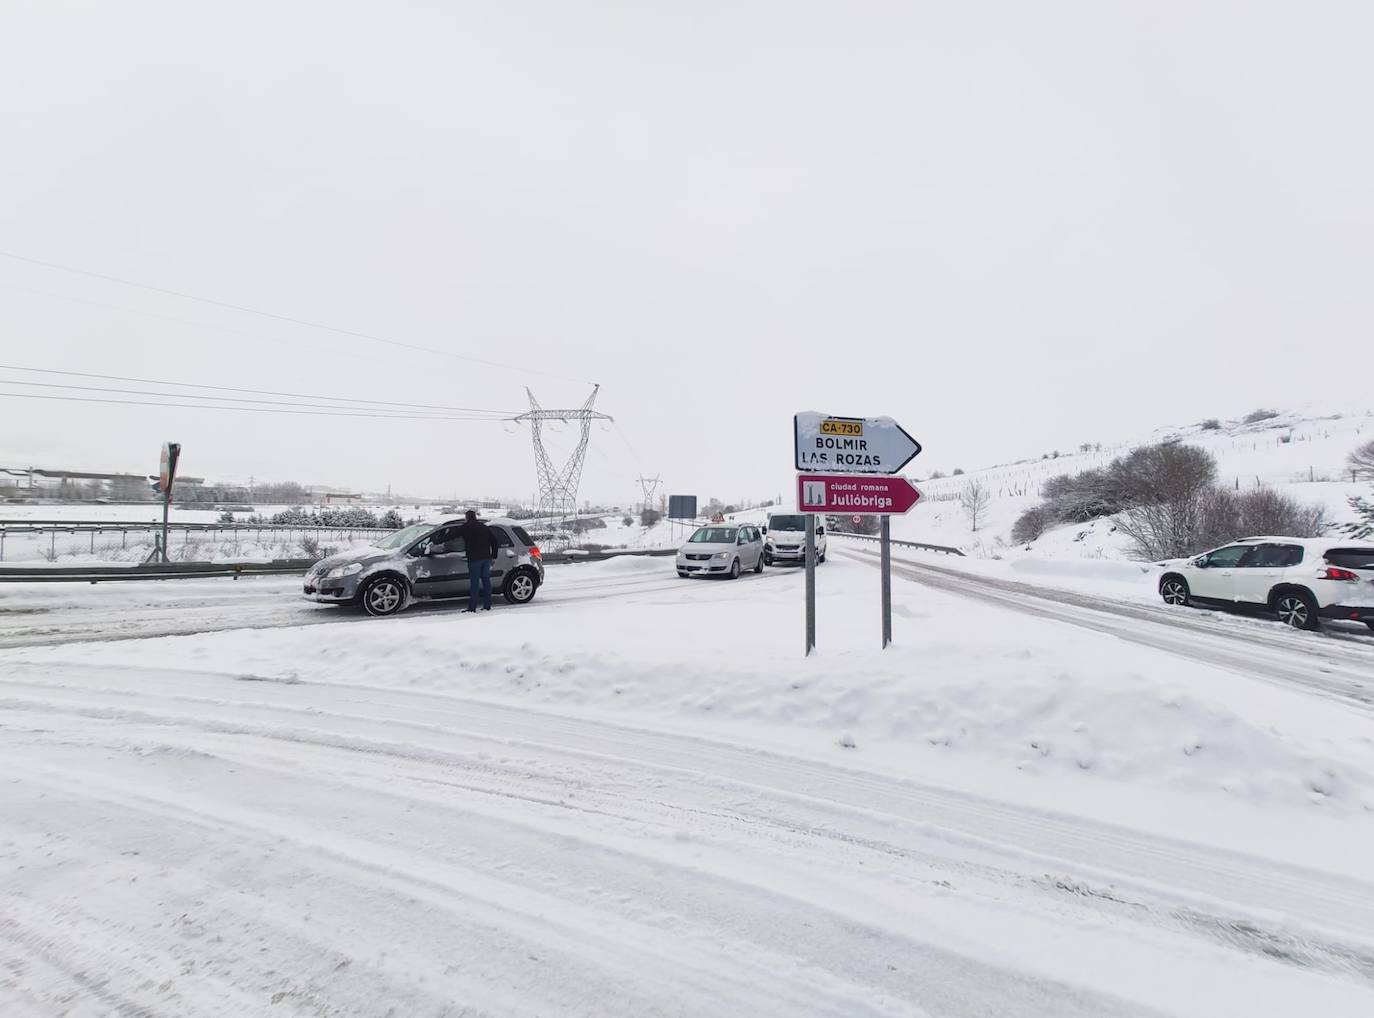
x=964 y=686
x=1299 y=452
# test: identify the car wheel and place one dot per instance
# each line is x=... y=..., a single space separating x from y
x=386 y=595
x=758 y=566
x=1296 y=608
x=1174 y=590
x=520 y=588
x=820 y=558
x=767 y=560
x=734 y=570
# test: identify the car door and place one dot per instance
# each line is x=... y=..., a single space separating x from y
x=1215 y=580
x=506 y=555
x=1257 y=573
x=442 y=570
x=754 y=542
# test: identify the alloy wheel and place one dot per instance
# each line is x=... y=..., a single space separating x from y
x=1174 y=592
x=521 y=589
x=1293 y=611
x=384 y=597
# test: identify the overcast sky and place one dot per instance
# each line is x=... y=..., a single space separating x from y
x=1012 y=226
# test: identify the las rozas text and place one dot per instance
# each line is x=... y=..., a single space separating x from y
x=840 y=452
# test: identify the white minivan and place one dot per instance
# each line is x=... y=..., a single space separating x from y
x=785 y=539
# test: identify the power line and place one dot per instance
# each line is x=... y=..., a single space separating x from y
x=245 y=409
x=230 y=388
x=484 y=415
x=243 y=308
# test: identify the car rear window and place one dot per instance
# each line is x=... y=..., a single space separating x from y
x=1351 y=558
x=524 y=536
x=502 y=538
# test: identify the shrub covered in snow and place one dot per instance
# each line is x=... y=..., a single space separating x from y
x=1031 y=524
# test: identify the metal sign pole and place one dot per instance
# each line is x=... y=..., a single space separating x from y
x=810 y=583
x=166 y=504
x=886 y=556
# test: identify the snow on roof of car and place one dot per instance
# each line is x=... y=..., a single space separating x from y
x=1333 y=541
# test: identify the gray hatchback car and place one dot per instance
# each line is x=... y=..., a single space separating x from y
x=425 y=561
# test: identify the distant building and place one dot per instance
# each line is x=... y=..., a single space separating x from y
x=82 y=485
x=339 y=498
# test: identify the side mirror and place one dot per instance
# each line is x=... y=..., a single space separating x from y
x=763 y=530
x=820 y=531
x=1200 y=561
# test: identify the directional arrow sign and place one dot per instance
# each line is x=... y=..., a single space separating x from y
x=854 y=445
x=856 y=493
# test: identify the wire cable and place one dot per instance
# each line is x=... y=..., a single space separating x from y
x=209 y=400
x=230 y=388
x=245 y=309
x=247 y=409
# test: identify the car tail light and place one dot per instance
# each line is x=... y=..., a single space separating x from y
x=535 y=552
x=1336 y=573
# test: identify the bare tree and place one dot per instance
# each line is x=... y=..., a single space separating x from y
x=1361 y=461
x=974 y=501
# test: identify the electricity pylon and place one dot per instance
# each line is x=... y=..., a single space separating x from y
x=558 y=488
x=649 y=485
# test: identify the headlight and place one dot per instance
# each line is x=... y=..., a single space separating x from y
x=348 y=570
x=722 y=554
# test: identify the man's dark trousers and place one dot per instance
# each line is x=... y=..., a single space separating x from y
x=479 y=569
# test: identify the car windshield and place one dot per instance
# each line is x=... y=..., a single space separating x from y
x=715 y=535
x=787 y=523
x=404 y=537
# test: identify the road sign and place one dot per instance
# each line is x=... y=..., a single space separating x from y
x=682 y=507
x=852 y=445
x=848 y=493
x=167 y=467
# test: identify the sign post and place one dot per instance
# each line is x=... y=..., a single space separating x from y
x=166 y=475
x=868 y=450
x=886 y=555
x=810 y=583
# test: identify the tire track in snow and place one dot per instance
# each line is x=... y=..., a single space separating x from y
x=722 y=971
x=1095 y=852
x=1345 y=677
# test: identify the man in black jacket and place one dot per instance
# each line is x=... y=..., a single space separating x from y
x=481 y=548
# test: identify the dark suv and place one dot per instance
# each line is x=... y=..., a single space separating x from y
x=425 y=561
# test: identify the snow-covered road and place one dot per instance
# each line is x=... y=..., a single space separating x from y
x=209 y=844
x=58 y=614
x=634 y=798
x=1337 y=662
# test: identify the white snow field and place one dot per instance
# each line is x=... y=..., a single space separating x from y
x=635 y=797
x=1300 y=452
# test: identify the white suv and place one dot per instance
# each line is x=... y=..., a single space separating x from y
x=1300 y=580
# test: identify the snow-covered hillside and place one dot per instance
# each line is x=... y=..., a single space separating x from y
x=1299 y=452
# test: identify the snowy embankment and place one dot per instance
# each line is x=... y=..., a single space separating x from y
x=1300 y=453
x=1035 y=700
x=636 y=797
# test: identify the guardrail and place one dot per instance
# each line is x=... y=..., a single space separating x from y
x=944 y=549
x=153 y=571
x=55 y=528
x=277 y=567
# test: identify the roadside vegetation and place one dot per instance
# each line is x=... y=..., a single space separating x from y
x=1165 y=498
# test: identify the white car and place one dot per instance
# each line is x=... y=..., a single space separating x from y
x=785 y=539
x=1299 y=580
x=721 y=550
